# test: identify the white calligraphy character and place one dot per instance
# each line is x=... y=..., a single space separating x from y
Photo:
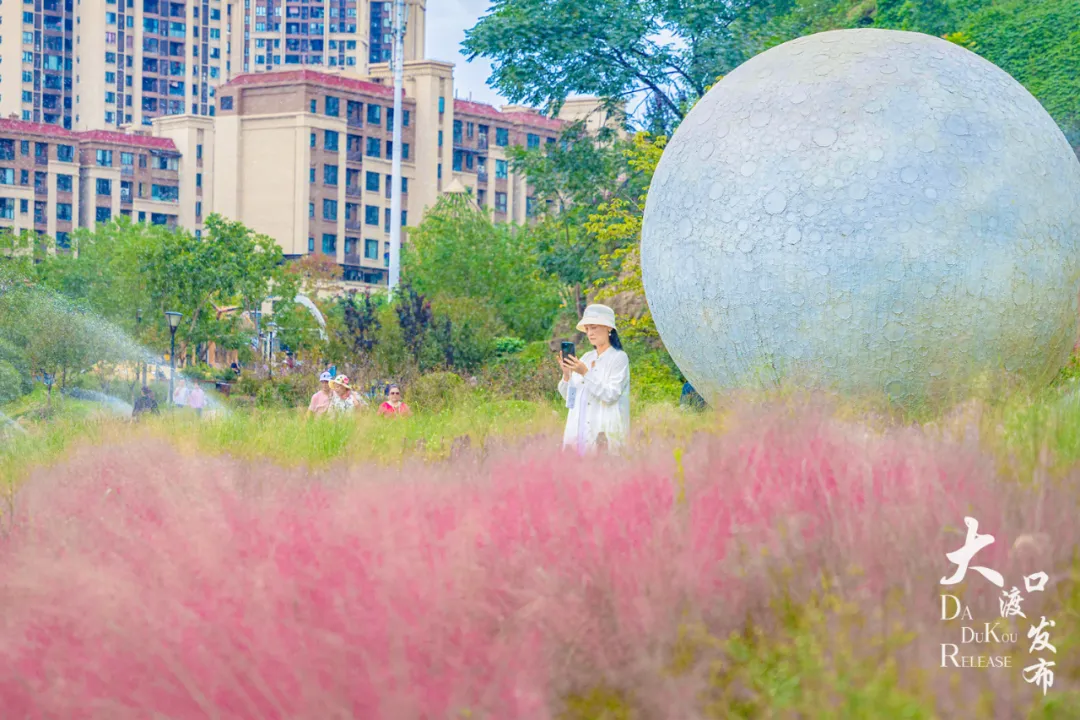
x=1036 y=582
x=1010 y=604
x=962 y=557
x=1042 y=676
x=1042 y=637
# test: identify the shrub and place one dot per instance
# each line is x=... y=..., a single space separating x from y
x=11 y=382
x=529 y=374
x=435 y=392
x=786 y=569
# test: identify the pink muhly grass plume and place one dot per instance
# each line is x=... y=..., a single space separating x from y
x=140 y=582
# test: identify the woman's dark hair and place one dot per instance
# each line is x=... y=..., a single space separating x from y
x=614 y=338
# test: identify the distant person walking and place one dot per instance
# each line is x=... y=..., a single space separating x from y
x=321 y=400
x=145 y=404
x=596 y=386
x=197 y=399
x=394 y=404
x=180 y=394
x=345 y=400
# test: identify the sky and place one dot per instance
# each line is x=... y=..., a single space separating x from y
x=447 y=21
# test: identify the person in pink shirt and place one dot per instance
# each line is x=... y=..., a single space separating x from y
x=320 y=401
x=394 y=405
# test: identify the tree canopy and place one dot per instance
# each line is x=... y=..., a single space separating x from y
x=543 y=51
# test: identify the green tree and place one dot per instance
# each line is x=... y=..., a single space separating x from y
x=458 y=251
x=542 y=51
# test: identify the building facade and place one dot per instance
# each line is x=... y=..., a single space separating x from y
x=100 y=64
x=53 y=181
x=303 y=156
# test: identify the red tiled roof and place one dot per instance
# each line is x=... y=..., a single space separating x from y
x=468 y=107
x=292 y=76
x=119 y=138
x=535 y=120
x=106 y=136
x=31 y=128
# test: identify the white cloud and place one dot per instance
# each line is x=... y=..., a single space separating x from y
x=447 y=21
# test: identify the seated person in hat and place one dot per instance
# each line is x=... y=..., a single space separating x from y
x=344 y=399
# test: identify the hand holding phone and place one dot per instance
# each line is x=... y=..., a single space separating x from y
x=568 y=349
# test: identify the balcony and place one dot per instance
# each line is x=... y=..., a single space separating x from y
x=354 y=156
x=41 y=159
x=127 y=170
x=353 y=224
x=481 y=175
x=352 y=258
x=41 y=188
x=353 y=190
x=125 y=197
x=482 y=142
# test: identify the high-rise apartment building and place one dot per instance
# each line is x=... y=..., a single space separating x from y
x=98 y=64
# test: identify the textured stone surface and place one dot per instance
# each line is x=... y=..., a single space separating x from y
x=867 y=209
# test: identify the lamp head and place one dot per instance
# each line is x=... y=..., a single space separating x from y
x=174 y=319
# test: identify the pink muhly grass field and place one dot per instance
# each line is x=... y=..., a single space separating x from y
x=139 y=582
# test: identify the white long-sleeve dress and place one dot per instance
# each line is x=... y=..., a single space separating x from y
x=598 y=402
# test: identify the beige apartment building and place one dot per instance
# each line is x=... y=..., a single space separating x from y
x=101 y=64
x=53 y=181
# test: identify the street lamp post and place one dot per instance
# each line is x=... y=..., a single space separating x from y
x=272 y=327
x=140 y=369
x=174 y=322
x=256 y=315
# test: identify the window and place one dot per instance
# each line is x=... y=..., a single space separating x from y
x=470 y=129
x=533 y=141
x=350 y=246
x=442 y=104
x=164 y=193
x=371 y=215
x=457 y=157
x=7 y=176
x=329 y=243
x=312 y=140
x=159 y=219
x=24 y=177
x=330 y=140
x=405 y=119
x=371 y=249
x=24 y=206
x=63 y=211
x=142 y=216
x=330 y=174
x=63 y=240
x=530 y=206
x=332 y=104
x=311 y=244
x=502 y=137
x=63 y=183
x=374 y=114
x=198 y=180
x=500 y=202
x=225 y=102
x=102 y=214
x=372 y=181
x=127 y=159
x=389 y=149
x=7 y=208
x=404 y=151
x=311 y=175
x=311 y=209
x=329 y=209
x=500 y=168
x=440 y=138
x=374 y=147
x=104 y=158
x=198 y=208
x=103 y=186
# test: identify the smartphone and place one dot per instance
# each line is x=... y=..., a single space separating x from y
x=567 y=349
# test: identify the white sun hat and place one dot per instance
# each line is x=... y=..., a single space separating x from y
x=597 y=315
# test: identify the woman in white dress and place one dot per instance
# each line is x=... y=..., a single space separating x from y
x=596 y=386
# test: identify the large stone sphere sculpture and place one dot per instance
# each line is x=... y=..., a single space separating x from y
x=868 y=210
